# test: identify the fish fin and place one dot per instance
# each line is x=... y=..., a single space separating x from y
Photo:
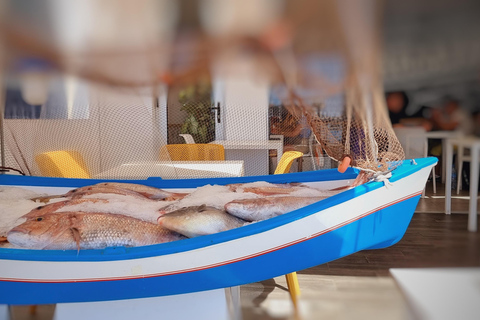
x=45 y=199
x=340 y=188
x=76 y=237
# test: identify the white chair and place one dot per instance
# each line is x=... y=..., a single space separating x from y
x=415 y=144
x=461 y=158
x=313 y=156
x=310 y=154
x=188 y=138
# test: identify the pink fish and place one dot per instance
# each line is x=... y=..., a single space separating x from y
x=267 y=190
x=78 y=230
x=52 y=207
x=147 y=191
x=268 y=207
x=199 y=220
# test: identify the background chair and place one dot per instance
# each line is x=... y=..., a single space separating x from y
x=188 y=138
x=284 y=166
x=415 y=144
x=192 y=152
x=462 y=156
x=62 y=164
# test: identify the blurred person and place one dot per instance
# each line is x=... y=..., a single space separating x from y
x=451 y=116
x=397 y=103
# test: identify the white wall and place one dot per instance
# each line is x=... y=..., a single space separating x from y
x=121 y=128
x=246 y=109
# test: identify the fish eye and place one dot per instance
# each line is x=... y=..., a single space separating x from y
x=39 y=219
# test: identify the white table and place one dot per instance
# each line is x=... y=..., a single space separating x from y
x=4 y=312
x=251 y=162
x=174 y=170
x=473 y=143
x=204 y=305
x=441 y=293
x=444 y=136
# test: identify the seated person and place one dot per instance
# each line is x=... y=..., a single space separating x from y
x=451 y=117
x=397 y=103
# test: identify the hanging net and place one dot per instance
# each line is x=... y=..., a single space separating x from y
x=122 y=89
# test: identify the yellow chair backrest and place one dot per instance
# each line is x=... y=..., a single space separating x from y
x=62 y=164
x=286 y=161
x=192 y=152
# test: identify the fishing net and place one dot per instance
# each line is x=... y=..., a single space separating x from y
x=121 y=82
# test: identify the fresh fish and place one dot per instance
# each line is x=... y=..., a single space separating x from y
x=199 y=220
x=143 y=209
x=140 y=208
x=149 y=192
x=268 y=207
x=267 y=189
x=52 y=207
x=128 y=189
x=88 y=190
x=78 y=230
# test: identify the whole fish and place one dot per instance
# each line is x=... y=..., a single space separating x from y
x=268 y=207
x=78 y=230
x=199 y=220
x=88 y=190
x=268 y=189
x=147 y=191
x=52 y=207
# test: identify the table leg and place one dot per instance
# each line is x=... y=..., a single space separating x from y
x=448 y=177
x=472 y=212
x=4 y=312
x=444 y=156
x=279 y=154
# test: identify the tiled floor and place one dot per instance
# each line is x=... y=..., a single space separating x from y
x=359 y=286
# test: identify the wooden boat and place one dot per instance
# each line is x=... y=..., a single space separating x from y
x=371 y=216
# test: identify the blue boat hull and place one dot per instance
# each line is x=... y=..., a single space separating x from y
x=307 y=237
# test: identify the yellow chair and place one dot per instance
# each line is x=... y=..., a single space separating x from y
x=192 y=152
x=284 y=166
x=62 y=164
